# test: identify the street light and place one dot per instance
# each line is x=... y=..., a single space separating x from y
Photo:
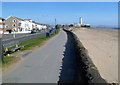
x=14 y=32
x=55 y=21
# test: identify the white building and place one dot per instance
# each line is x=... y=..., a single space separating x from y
x=2 y=25
x=77 y=24
x=36 y=26
x=80 y=24
x=22 y=25
x=39 y=26
x=44 y=26
x=26 y=26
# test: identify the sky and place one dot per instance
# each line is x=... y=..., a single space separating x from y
x=60 y=0
x=94 y=13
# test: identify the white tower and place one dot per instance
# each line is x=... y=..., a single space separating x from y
x=80 y=20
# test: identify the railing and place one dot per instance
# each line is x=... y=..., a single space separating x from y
x=12 y=42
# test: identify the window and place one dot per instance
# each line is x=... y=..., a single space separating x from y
x=25 y=25
x=19 y=24
x=6 y=26
x=14 y=20
x=26 y=29
x=20 y=29
x=1 y=26
x=14 y=25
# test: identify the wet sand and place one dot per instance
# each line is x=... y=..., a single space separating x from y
x=102 y=46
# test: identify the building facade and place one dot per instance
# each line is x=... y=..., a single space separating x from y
x=26 y=26
x=2 y=25
x=13 y=23
x=22 y=25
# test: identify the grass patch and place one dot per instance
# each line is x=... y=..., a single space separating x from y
x=9 y=60
x=94 y=69
x=33 y=42
x=29 y=44
x=38 y=41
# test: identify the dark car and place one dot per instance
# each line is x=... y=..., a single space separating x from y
x=33 y=31
x=9 y=30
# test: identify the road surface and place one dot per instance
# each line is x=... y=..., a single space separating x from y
x=49 y=64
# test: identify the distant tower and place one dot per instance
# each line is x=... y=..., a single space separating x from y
x=80 y=20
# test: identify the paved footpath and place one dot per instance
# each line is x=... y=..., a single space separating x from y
x=44 y=65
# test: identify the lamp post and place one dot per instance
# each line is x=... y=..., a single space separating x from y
x=55 y=21
x=14 y=32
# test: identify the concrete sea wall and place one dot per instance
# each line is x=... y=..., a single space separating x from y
x=85 y=66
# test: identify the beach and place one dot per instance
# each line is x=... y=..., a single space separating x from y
x=102 y=46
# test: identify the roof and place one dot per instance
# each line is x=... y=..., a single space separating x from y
x=36 y=22
x=26 y=19
x=19 y=18
x=16 y=18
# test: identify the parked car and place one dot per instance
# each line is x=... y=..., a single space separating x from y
x=9 y=30
x=33 y=31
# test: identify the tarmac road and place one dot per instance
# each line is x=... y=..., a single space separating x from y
x=49 y=64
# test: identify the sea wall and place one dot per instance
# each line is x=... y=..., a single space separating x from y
x=85 y=66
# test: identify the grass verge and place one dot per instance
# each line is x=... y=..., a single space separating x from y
x=9 y=62
x=29 y=44
x=38 y=41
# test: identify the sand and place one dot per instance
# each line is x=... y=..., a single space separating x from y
x=102 y=46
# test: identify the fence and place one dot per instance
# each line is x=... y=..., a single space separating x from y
x=9 y=42
x=11 y=36
x=1 y=56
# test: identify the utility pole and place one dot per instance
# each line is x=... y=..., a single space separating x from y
x=14 y=29
x=14 y=34
x=55 y=26
x=55 y=21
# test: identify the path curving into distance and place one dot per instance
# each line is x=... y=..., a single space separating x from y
x=49 y=64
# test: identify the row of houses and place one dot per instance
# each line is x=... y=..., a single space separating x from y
x=21 y=25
